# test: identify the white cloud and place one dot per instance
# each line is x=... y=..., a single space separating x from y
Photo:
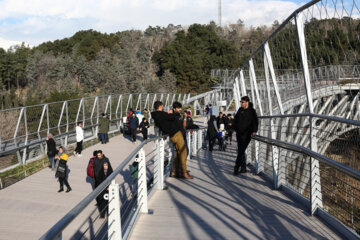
x=40 y=20
x=6 y=44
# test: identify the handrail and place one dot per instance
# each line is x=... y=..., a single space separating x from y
x=282 y=25
x=332 y=118
x=303 y=150
x=73 y=213
x=37 y=141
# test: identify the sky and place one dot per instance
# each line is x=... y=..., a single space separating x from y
x=37 y=21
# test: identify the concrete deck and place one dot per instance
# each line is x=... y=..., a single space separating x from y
x=218 y=205
x=30 y=207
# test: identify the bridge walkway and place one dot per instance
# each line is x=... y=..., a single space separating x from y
x=30 y=207
x=219 y=205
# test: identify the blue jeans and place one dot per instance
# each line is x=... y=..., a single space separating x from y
x=103 y=137
x=52 y=162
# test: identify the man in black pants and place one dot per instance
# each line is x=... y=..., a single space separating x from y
x=245 y=125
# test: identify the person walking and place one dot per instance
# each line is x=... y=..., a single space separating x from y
x=61 y=169
x=246 y=126
x=134 y=125
x=167 y=122
x=79 y=139
x=144 y=125
x=104 y=124
x=102 y=169
x=229 y=127
x=51 y=150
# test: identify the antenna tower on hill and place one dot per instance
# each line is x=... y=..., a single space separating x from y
x=219 y=13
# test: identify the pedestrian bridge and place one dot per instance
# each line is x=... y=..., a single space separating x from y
x=304 y=180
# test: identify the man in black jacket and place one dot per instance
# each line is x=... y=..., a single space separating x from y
x=168 y=124
x=102 y=169
x=245 y=125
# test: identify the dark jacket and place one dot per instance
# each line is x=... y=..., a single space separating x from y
x=180 y=122
x=229 y=125
x=220 y=120
x=99 y=170
x=212 y=128
x=133 y=122
x=144 y=126
x=51 y=147
x=246 y=121
x=167 y=123
x=104 y=123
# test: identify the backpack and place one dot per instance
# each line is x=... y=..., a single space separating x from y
x=90 y=168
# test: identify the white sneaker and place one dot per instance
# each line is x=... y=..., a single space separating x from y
x=74 y=153
x=79 y=155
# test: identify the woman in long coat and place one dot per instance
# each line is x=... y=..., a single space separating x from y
x=212 y=132
x=51 y=150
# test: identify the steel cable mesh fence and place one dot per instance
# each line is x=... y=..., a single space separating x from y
x=341 y=196
x=294 y=130
x=332 y=34
x=296 y=169
x=338 y=141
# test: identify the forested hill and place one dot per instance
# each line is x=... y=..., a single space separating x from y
x=159 y=59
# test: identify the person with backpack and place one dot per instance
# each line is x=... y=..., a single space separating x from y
x=51 y=150
x=144 y=125
x=102 y=169
x=90 y=169
x=61 y=169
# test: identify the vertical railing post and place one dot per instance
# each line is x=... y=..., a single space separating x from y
x=188 y=136
x=142 y=185
x=200 y=142
x=195 y=149
x=159 y=165
x=315 y=184
x=26 y=137
x=114 y=220
x=275 y=150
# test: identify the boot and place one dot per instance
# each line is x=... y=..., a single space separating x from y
x=186 y=175
x=61 y=189
x=69 y=189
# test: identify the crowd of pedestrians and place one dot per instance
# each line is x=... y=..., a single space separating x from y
x=174 y=123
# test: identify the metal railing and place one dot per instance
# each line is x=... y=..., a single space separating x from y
x=282 y=152
x=127 y=195
x=23 y=130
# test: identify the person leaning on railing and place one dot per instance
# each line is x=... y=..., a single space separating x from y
x=51 y=150
x=167 y=122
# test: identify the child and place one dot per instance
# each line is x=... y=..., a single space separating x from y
x=144 y=125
